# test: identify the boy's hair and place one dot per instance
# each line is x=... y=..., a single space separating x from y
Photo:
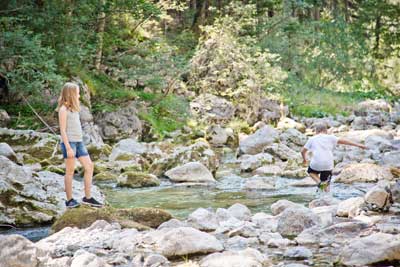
x=69 y=98
x=320 y=127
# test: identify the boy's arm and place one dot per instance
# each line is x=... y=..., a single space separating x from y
x=304 y=155
x=343 y=141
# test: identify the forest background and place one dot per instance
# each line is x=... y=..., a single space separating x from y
x=319 y=57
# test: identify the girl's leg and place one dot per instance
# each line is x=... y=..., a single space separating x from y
x=88 y=167
x=69 y=173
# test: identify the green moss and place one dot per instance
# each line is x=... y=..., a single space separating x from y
x=99 y=152
x=125 y=157
x=139 y=218
x=137 y=179
x=105 y=176
x=55 y=169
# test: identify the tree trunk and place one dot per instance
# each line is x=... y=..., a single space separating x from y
x=377 y=34
x=346 y=10
x=200 y=15
x=100 y=35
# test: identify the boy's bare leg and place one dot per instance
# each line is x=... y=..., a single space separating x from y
x=315 y=177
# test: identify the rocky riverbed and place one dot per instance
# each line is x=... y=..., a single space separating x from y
x=219 y=197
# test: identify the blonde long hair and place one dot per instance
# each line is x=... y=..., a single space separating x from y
x=69 y=97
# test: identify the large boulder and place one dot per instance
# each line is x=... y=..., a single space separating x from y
x=123 y=123
x=200 y=151
x=190 y=172
x=244 y=258
x=134 y=179
x=282 y=205
x=287 y=123
x=293 y=136
x=7 y=151
x=139 y=218
x=350 y=207
x=272 y=110
x=17 y=251
x=30 y=197
x=203 y=219
x=363 y=172
x=391 y=158
x=87 y=259
x=292 y=221
x=369 y=105
x=172 y=242
x=219 y=136
x=255 y=143
x=91 y=132
x=210 y=108
x=252 y=162
x=378 y=198
x=375 y=248
x=240 y=212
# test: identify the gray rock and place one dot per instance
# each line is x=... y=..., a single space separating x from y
x=363 y=172
x=33 y=197
x=292 y=221
x=350 y=207
x=256 y=142
x=372 y=105
x=17 y=251
x=252 y=162
x=219 y=136
x=391 y=159
x=156 y=260
x=375 y=248
x=84 y=258
x=184 y=241
x=240 y=212
x=190 y=172
x=378 y=198
x=203 y=219
x=245 y=258
x=293 y=136
x=298 y=253
x=8 y=152
x=91 y=131
x=282 y=205
x=211 y=108
x=123 y=123
x=240 y=243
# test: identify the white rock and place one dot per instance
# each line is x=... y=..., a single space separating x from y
x=293 y=221
x=298 y=253
x=252 y=162
x=245 y=258
x=349 y=207
x=84 y=258
x=16 y=250
x=371 y=249
x=283 y=204
x=256 y=142
x=240 y=212
x=190 y=172
x=363 y=172
x=203 y=219
x=7 y=151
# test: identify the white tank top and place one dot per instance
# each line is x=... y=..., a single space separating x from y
x=74 y=128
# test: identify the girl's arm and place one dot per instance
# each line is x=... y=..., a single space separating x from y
x=62 y=118
x=350 y=143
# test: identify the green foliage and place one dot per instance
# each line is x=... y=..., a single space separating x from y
x=166 y=114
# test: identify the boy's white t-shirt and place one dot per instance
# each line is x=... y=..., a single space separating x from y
x=322 y=146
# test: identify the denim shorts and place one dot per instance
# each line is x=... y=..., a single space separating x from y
x=78 y=148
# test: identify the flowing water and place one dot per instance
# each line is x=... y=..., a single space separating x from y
x=182 y=199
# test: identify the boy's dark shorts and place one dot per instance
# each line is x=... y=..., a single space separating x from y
x=324 y=175
x=78 y=148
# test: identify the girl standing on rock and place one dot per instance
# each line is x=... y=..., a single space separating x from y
x=72 y=144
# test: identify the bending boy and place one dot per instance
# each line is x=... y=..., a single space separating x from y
x=322 y=145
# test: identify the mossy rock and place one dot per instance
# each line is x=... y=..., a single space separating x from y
x=99 y=152
x=55 y=169
x=132 y=168
x=146 y=216
x=125 y=157
x=44 y=149
x=99 y=168
x=84 y=216
x=137 y=179
x=105 y=176
x=29 y=159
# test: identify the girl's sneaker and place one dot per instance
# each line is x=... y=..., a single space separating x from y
x=91 y=202
x=72 y=203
